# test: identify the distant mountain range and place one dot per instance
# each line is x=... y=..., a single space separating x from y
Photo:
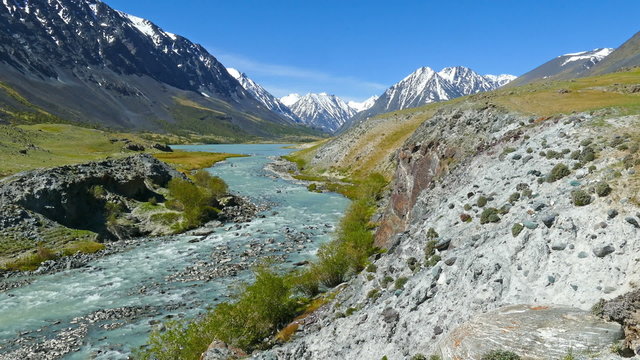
x=83 y=61
x=426 y=86
x=626 y=55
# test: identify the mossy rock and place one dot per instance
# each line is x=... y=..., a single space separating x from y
x=516 y=229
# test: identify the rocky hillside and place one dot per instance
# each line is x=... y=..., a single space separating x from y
x=86 y=62
x=503 y=231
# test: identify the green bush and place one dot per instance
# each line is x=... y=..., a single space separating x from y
x=558 y=172
x=500 y=355
x=213 y=185
x=489 y=215
x=304 y=282
x=432 y=260
x=195 y=201
x=432 y=234
x=372 y=268
x=373 y=294
x=312 y=187
x=514 y=197
x=603 y=189
x=467 y=207
x=418 y=357
x=430 y=248
x=399 y=284
x=588 y=154
x=259 y=311
x=386 y=280
x=580 y=198
x=482 y=201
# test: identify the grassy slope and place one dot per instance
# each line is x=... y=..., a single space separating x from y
x=540 y=98
x=49 y=145
x=186 y=161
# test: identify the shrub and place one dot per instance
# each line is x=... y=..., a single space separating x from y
x=372 y=268
x=112 y=211
x=312 y=187
x=430 y=248
x=603 y=189
x=304 y=282
x=259 y=311
x=412 y=263
x=529 y=150
x=592 y=168
x=587 y=155
x=580 y=198
x=558 y=172
x=432 y=234
x=586 y=142
x=433 y=260
x=373 y=294
x=500 y=355
x=575 y=155
x=508 y=150
x=84 y=247
x=551 y=154
x=386 y=281
x=213 y=185
x=467 y=207
x=516 y=229
x=196 y=201
x=489 y=215
x=514 y=197
x=482 y=201
x=418 y=357
x=399 y=284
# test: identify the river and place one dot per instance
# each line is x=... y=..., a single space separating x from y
x=141 y=280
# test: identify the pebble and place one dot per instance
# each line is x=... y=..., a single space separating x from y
x=632 y=221
x=603 y=250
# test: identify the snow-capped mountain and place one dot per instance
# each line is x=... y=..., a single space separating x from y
x=290 y=99
x=565 y=66
x=84 y=61
x=322 y=111
x=364 y=105
x=425 y=85
x=259 y=93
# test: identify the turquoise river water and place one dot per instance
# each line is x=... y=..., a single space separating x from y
x=140 y=276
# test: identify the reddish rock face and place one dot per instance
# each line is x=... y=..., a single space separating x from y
x=418 y=165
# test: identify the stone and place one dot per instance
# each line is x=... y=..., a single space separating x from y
x=526 y=159
x=537 y=206
x=612 y=213
x=530 y=225
x=632 y=221
x=450 y=261
x=582 y=255
x=540 y=332
x=603 y=250
x=558 y=245
x=549 y=219
x=516 y=157
x=390 y=315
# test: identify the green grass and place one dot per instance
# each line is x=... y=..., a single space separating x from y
x=187 y=161
x=49 y=145
x=32 y=261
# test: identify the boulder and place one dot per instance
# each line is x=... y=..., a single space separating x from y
x=533 y=332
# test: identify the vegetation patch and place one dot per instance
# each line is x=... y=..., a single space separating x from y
x=186 y=161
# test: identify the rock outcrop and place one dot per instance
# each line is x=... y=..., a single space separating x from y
x=483 y=215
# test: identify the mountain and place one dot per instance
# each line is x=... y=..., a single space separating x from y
x=564 y=67
x=321 y=111
x=259 y=93
x=290 y=99
x=362 y=106
x=83 y=61
x=627 y=55
x=426 y=86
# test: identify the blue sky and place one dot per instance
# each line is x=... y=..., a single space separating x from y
x=357 y=48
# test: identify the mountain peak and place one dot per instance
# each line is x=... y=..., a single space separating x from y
x=322 y=111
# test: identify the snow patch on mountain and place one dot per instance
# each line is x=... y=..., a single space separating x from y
x=364 y=105
x=290 y=99
x=594 y=55
x=500 y=80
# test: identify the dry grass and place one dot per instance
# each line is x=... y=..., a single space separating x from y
x=187 y=161
x=585 y=94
